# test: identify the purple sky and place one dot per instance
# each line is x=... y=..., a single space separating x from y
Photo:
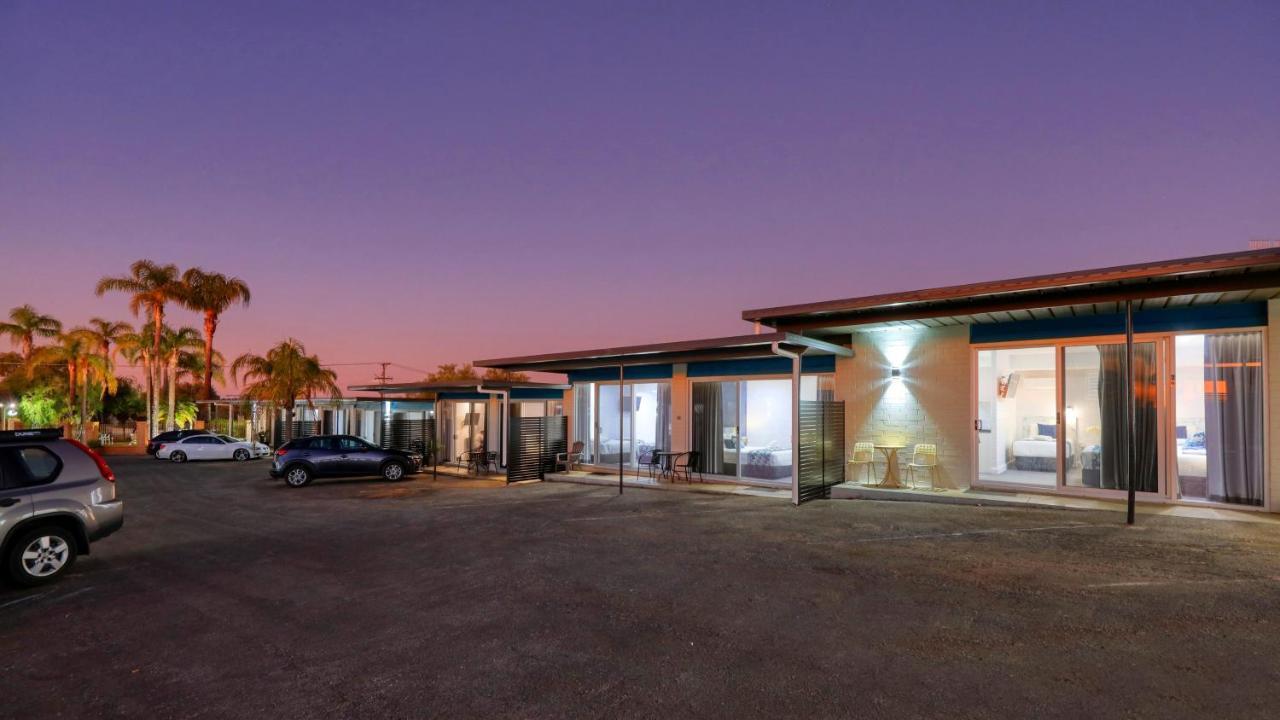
x=421 y=185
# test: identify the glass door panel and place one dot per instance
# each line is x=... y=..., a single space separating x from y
x=610 y=442
x=1017 y=425
x=715 y=426
x=1218 y=417
x=765 y=452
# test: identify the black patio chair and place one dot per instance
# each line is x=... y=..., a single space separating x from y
x=491 y=461
x=475 y=459
x=655 y=463
x=687 y=464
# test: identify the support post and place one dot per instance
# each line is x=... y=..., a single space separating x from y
x=795 y=419
x=621 y=426
x=1131 y=412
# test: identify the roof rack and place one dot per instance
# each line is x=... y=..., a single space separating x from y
x=30 y=434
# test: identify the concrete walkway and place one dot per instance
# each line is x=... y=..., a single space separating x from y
x=857 y=491
x=644 y=481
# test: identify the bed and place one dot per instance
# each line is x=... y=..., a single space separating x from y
x=766 y=463
x=1037 y=451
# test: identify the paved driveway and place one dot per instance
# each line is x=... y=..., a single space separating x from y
x=228 y=595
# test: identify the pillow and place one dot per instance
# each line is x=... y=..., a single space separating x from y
x=1180 y=432
x=1048 y=430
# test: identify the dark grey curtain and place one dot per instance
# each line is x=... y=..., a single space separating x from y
x=1115 y=422
x=1233 y=401
x=707 y=423
x=664 y=416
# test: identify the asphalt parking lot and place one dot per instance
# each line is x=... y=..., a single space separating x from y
x=229 y=595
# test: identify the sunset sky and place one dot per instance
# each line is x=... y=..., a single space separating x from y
x=437 y=182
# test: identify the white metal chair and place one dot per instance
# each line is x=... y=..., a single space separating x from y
x=923 y=457
x=864 y=453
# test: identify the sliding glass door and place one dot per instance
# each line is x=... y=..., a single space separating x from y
x=1054 y=416
x=1095 y=417
x=742 y=428
x=1017 y=422
x=626 y=424
x=1218 y=404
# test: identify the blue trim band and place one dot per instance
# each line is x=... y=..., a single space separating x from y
x=762 y=366
x=629 y=372
x=536 y=394
x=1205 y=317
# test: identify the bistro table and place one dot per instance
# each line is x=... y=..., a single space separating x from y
x=890 y=453
x=667 y=463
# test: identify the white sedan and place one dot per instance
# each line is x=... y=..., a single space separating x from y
x=211 y=447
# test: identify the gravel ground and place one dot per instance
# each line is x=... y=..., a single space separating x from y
x=228 y=595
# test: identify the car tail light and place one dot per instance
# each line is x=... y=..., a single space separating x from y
x=103 y=468
x=281 y=452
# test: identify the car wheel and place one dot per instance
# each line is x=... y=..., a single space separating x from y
x=41 y=556
x=177 y=456
x=393 y=471
x=241 y=455
x=297 y=476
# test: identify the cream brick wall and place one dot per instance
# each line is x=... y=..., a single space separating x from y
x=931 y=403
x=1273 y=400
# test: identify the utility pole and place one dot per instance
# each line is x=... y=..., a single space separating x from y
x=382 y=376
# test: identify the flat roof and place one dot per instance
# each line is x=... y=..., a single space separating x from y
x=456 y=385
x=1210 y=279
x=722 y=348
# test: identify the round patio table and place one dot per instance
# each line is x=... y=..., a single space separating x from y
x=890 y=453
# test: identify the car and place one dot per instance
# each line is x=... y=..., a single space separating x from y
x=171 y=436
x=57 y=497
x=301 y=460
x=208 y=446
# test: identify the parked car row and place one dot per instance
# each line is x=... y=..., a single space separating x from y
x=181 y=446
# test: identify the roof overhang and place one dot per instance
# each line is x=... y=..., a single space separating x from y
x=723 y=348
x=1213 y=279
x=457 y=386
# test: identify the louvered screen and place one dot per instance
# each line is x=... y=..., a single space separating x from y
x=821 y=453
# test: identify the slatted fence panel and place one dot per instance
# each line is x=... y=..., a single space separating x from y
x=821 y=454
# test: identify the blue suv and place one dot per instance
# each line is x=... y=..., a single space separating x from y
x=300 y=461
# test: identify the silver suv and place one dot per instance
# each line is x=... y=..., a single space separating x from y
x=56 y=497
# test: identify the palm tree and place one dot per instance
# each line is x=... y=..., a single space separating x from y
x=26 y=324
x=135 y=347
x=106 y=334
x=77 y=350
x=151 y=287
x=451 y=371
x=174 y=344
x=283 y=376
x=211 y=294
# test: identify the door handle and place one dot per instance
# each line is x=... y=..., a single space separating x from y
x=9 y=501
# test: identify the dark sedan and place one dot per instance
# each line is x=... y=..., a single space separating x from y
x=304 y=459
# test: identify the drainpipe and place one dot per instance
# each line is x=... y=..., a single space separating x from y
x=502 y=421
x=1131 y=411
x=621 y=420
x=795 y=418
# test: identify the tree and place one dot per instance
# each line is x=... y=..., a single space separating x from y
x=41 y=407
x=25 y=325
x=135 y=347
x=77 y=350
x=283 y=376
x=126 y=403
x=451 y=371
x=150 y=287
x=174 y=344
x=505 y=376
x=107 y=333
x=211 y=294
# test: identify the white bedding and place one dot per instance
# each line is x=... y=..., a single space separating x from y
x=1037 y=447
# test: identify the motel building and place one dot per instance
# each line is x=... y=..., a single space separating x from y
x=1065 y=386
